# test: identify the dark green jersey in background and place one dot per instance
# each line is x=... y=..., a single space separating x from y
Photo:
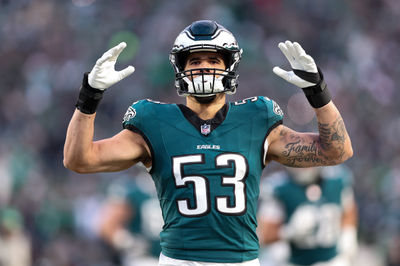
x=326 y=210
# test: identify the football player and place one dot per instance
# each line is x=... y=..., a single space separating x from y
x=314 y=211
x=206 y=157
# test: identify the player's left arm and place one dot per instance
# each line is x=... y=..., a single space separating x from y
x=332 y=144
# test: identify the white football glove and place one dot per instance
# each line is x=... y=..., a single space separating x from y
x=298 y=60
x=103 y=74
x=348 y=245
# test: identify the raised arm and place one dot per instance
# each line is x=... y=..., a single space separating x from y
x=81 y=153
x=332 y=145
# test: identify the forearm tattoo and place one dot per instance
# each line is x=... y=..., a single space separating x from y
x=307 y=150
x=332 y=134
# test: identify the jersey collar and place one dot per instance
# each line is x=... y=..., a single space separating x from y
x=205 y=127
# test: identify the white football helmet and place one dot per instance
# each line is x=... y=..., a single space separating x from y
x=205 y=36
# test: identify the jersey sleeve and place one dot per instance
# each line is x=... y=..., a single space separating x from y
x=134 y=120
x=272 y=115
x=271 y=111
x=134 y=116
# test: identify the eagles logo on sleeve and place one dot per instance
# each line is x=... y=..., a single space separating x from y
x=130 y=113
x=277 y=109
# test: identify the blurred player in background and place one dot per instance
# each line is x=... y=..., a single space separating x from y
x=314 y=211
x=15 y=245
x=206 y=157
x=131 y=222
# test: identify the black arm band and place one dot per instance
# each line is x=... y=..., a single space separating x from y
x=89 y=98
x=317 y=95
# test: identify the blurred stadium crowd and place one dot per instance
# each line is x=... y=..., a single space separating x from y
x=50 y=214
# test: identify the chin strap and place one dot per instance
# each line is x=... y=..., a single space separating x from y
x=207 y=99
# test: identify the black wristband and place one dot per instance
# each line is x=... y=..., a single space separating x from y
x=89 y=98
x=317 y=95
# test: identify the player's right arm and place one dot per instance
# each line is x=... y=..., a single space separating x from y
x=81 y=153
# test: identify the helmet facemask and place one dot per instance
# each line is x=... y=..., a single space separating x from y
x=204 y=82
x=205 y=36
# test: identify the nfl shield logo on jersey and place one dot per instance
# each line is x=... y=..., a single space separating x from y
x=205 y=129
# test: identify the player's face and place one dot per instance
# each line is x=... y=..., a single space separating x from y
x=207 y=61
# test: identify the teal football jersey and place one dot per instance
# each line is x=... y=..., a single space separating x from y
x=326 y=208
x=207 y=174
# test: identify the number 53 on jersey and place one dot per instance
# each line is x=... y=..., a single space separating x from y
x=201 y=189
